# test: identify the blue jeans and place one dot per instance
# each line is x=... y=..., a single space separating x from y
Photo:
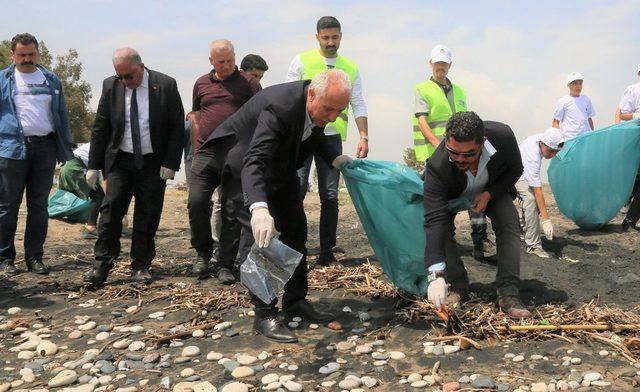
x=328 y=179
x=35 y=174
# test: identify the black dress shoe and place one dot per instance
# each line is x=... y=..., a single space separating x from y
x=142 y=276
x=305 y=310
x=326 y=259
x=9 y=268
x=225 y=276
x=200 y=268
x=272 y=328
x=96 y=276
x=37 y=266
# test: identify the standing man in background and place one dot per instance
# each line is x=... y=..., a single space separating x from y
x=573 y=111
x=304 y=67
x=35 y=133
x=436 y=100
x=137 y=142
x=216 y=96
x=254 y=65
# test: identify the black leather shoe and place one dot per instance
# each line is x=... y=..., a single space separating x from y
x=142 y=276
x=326 y=259
x=9 y=268
x=305 y=310
x=272 y=328
x=200 y=268
x=96 y=276
x=37 y=266
x=225 y=276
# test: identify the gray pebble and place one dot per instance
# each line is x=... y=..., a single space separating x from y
x=84 y=379
x=438 y=350
x=105 y=357
x=164 y=364
x=107 y=368
x=116 y=314
x=134 y=357
x=230 y=365
x=165 y=382
x=195 y=377
x=483 y=382
x=104 y=328
x=231 y=333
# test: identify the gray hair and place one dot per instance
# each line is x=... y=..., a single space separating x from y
x=129 y=55
x=221 y=44
x=335 y=77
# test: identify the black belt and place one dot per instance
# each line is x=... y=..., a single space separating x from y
x=35 y=139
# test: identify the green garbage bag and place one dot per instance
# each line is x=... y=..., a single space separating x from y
x=66 y=205
x=592 y=176
x=388 y=197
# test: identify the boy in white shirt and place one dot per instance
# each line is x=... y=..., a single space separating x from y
x=533 y=149
x=573 y=111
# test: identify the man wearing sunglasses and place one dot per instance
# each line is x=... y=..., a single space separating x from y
x=137 y=141
x=475 y=167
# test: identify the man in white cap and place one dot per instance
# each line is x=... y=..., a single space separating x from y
x=574 y=111
x=435 y=101
x=533 y=149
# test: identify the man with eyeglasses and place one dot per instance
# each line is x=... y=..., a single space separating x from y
x=137 y=141
x=34 y=133
x=476 y=167
x=532 y=150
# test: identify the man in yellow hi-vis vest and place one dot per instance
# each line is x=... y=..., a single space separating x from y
x=305 y=66
x=436 y=100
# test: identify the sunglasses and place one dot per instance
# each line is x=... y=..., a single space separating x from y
x=128 y=76
x=467 y=154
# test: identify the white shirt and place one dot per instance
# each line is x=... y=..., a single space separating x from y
x=33 y=103
x=82 y=152
x=358 y=106
x=630 y=102
x=573 y=114
x=142 y=97
x=531 y=160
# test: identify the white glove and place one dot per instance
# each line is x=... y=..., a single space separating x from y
x=437 y=292
x=635 y=116
x=92 y=177
x=167 y=174
x=262 y=226
x=341 y=161
x=547 y=229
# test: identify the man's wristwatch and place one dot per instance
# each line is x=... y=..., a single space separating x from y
x=433 y=275
x=364 y=138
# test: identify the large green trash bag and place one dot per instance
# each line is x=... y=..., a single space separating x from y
x=592 y=176
x=66 y=205
x=388 y=197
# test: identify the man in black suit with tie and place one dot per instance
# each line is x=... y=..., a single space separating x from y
x=275 y=132
x=137 y=142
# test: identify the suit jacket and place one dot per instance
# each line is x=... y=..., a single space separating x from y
x=268 y=146
x=166 y=122
x=443 y=182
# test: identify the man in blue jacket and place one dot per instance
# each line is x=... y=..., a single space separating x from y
x=34 y=133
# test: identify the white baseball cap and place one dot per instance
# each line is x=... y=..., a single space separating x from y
x=573 y=76
x=552 y=137
x=441 y=53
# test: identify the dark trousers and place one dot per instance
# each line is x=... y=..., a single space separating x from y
x=285 y=206
x=35 y=175
x=205 y=177
x=234 y=237
x=123 y=182
x=506 y=224
x=328 y=180
x=633 y=214
x=96 y=196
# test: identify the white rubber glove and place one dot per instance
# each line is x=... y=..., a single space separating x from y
x=341 y=161
x=635 y=116
x=437 y=292
x=166 y=174
x=262 y=226
x=92 y=177
x=547 y=229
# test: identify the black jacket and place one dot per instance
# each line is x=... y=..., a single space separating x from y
x=443 y=182
x=166 y=122
x=269 y=149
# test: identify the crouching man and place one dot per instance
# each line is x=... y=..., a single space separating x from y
x=477 y=167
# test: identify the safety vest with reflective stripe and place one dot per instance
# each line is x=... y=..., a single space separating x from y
x=313 y=63
x=441 y=108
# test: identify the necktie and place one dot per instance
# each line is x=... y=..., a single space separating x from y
x=135 y=132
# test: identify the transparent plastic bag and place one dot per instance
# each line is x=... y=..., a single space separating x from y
x=266 y=270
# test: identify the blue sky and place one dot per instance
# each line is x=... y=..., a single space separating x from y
x=511 y=57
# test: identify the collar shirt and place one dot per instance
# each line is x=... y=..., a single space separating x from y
x=308 y=126
x=142 y=97
x=531 y=160
x=475 y=183
x=32 y=99
x=573 y=114
x=630 y=102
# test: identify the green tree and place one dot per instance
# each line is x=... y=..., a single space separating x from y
x=77 y=92
x=410 y=160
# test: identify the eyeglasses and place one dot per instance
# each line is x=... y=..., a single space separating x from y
x=466 y=154
x=128 y=76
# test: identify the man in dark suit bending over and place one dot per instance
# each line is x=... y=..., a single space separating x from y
x=137 y=142
x=275 y=132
